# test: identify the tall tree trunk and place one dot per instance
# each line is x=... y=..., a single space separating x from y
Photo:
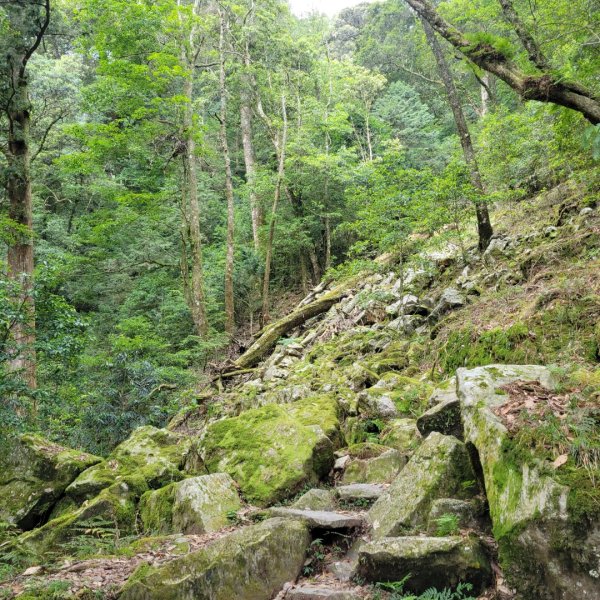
x=20 y=253
x=249 y=157
x=484 y=225
x=280 y=147
x=190 y=186
x=229 y=260
x=17 y=107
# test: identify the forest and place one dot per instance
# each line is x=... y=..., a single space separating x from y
x=297 y=306
x=174 y=172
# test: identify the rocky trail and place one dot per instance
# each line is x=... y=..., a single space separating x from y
x=335 y=469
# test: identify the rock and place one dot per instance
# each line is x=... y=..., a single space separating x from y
x=465 y=512
x=376 y=404
x=341 y=463
x=551 y=231
x=443 y=417
x=450 y=299
x=312 y=592
x=445 y=391
x=320 y=519
x=407 y=305
x=497 y=248
x=272 y=451
x=359 y=491
x=547 y=551
x=407 y=324
x=401 y=434
x=112 y=511
x=249 y=564
x=34 y=474
x=380 y=469
x=431 y=562
x=586 y=211
x=157 y=455
x=316 y=499
x=438 y=469
x=192 y=506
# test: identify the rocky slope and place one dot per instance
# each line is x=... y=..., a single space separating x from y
x=399 y=426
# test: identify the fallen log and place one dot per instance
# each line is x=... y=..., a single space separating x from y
x=271 y=333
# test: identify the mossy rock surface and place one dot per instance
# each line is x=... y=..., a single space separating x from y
x=440 y=562
x=380 y=469
x=316 y=499
x=34 y=473
x=272 y=451
x=547 y=551
x=439 y=468
x=113 y=511
x=250 y=564
x=192 y=506
x=401 y=434
x=157 y=455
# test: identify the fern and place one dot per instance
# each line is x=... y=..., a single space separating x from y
x=397 y=592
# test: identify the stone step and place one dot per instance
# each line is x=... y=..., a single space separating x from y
x=432 y=562
x=321 y=519
x=360 y=491
x=316 y=592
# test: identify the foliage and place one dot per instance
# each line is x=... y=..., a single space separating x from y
x=396 y=592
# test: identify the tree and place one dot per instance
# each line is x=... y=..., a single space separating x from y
x=545 y=86
x=229 y=260
x=484 y=225
x=23 y=25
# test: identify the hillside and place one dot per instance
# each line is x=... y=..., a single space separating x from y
x=349 y=433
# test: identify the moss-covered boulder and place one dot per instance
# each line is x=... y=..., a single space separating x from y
x=192 y=506
x=273 y=451
x=34 y=473
x=109 y=516
x=549 y=549
x=316 y=499
x=401 y=434
x=250 y=564
x=440 y=468
x=439 y=562
x=156 y=455
x=443 y=417
x=379 y=469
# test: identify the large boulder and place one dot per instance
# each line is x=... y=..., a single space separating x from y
x=401 y=434
x=548 y=548
x=444 y=417
x=379 y=469
x=274 y=450
x=109 y=515
x=157 y=455
x=252 y=563
x=439 y=562
x=34 y=474
x=440 y=468
x=192 y=506
x=316 y=499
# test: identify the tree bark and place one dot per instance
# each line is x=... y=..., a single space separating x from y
x=229 y=259
x=247 y=143
x=190 y=185
x=280 y=148
x=545 y=87
x=484 y=226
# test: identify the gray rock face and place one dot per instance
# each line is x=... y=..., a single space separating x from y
x=192 y=506
x=445 y=391
x=311 y=592
x=377 y=405
x=546 y=553
x=316 y=499
x=381 y=469
x=401 y=434
x=450 y=299
x=249 y=564
x=34 y=473
x=443 y=417
x=320 y=519
x=359 y=491
x=438 y=469
x=431 y=561
x=465 y=512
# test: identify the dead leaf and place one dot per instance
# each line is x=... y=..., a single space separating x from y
x=560 y=461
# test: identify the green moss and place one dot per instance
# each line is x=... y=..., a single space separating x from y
x=366 y=450
x=273 y=450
